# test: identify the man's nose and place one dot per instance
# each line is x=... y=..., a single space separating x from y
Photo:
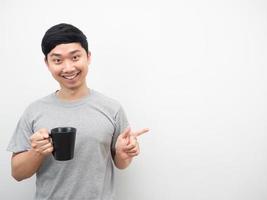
x=68 y=66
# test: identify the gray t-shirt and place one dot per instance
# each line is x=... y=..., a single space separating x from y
x=89 y=175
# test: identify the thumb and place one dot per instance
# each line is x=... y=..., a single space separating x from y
x=126 y=132
x=44 y=133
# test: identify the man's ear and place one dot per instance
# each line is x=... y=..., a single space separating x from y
x=89 y=57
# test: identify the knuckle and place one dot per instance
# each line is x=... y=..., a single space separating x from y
x=34 y=145
x=41 y=149
x=45 y=141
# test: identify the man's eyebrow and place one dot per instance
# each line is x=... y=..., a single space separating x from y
x=75 y=51
x=55 y=54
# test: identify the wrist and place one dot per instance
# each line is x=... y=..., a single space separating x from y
x=37 y=154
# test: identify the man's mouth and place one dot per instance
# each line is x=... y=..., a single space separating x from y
x=70 y=76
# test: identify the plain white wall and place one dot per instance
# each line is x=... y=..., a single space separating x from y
x=193 y=71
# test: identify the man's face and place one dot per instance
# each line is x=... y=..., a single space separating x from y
x=68 y=64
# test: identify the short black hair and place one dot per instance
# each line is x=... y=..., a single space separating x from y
x=62 y=34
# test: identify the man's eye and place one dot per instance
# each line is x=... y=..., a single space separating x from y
x=57 y=61
x=75 y=58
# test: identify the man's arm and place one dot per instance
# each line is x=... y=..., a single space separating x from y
x=127 y=147
x=26 y=163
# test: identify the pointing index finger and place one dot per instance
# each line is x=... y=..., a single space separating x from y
x=141 y=132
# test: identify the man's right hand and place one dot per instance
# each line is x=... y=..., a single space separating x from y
x=41 y=142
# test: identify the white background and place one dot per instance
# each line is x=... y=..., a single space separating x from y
x=192 y=71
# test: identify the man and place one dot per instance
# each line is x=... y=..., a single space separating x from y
x=103 y=137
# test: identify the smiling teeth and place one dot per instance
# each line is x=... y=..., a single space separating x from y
x=70 y=77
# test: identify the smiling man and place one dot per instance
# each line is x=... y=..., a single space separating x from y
x=103 y=137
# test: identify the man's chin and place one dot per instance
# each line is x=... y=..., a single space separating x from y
x=70 y=87
x=73 y=87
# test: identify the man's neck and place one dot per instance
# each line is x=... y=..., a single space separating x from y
x=73 y=94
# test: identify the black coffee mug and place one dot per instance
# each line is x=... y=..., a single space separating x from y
x=63 y=139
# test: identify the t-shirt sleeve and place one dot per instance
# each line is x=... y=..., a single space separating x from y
x=121 y=123
x=20 y=141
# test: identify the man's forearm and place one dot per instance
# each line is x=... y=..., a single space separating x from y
x=25 y=164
